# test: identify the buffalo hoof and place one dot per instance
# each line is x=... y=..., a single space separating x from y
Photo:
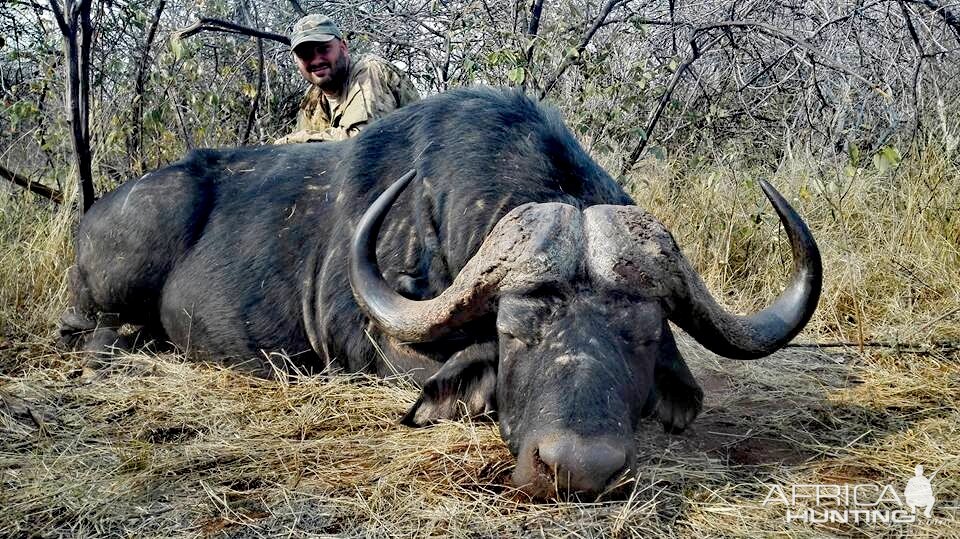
x=105 y=342
x=74 y=328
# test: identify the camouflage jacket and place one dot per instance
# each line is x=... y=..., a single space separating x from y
x=373 y=88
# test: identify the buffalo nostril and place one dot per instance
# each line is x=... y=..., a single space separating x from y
x=581 y=465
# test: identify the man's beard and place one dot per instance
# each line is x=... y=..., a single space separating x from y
x=338 y=75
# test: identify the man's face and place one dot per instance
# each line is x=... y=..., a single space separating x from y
x=323 y=64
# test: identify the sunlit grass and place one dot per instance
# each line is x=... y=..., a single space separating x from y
x=156 y=446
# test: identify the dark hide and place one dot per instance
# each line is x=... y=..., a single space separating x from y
x=230 y=252
x=238 y=254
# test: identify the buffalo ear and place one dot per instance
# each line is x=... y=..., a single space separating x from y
x=466 y=384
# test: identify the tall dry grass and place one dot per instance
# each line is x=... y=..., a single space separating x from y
x=37 y=249
x=890 y=240
x=159 y=447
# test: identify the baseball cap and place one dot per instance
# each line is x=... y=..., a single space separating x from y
x=314 y=28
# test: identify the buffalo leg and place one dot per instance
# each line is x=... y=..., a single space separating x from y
x=465 y=385
x=676 y=399
x=105 y=341
x=79 y=321
x=90 y=333
x=83 y=327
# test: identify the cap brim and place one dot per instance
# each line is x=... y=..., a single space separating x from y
x=308 y=38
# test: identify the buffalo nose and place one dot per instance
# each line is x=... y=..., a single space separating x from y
x=577 y=464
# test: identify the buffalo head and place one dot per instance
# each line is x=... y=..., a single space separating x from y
x=583 y=347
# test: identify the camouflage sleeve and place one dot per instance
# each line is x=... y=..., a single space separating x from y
x=303 y=119
x=305 y=129
x=377 y=88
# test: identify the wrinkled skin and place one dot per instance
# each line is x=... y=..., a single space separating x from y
x=582 y=359
x=582 y=301
x=513 y=276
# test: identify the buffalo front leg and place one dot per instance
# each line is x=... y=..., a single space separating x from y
x=80 y=320
x=90 y=333
x=676 y=398
x=464 y=386
x=83 y=327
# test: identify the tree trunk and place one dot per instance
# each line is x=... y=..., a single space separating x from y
x=135 y=143
x=77 y=33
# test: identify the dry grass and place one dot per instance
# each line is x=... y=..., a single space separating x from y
x=890 y=241
x=159 y=447
x=35 y=252
x=155 y=446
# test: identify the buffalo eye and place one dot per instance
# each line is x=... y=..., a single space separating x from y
x=521 y=318
x=515 y=341
x=518 y=336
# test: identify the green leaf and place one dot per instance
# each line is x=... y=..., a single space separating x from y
x=177 y=47
x=891 y=154
x=886 y=158
x=516 y=75
x=249 y=90
x=854 y=151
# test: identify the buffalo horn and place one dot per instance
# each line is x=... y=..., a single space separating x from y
x=405 y=319
x=757 y=335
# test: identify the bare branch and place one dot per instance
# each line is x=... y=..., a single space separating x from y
x=34 y=187
x=255 y=104
x=58 y=16
x=140 y=83
x=220 y=25
x=949 y=17
x=298 y=8
x=800 y=43
x=696 y=53
x=569 y=59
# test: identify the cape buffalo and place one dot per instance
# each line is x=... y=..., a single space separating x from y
x=506 y=272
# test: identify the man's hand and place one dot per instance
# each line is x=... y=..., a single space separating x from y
x=304 y=135
x=328 y=134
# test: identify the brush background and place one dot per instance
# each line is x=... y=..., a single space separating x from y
x=849 y=108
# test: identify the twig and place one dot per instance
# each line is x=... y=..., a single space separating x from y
x=906 y=348
x=949 y=17
x=140 y=84
x=536 y=10
x=801 y=43
x=255 y=104
x=570 y=58
x=298 y=8
x=696 y=53
x=220 y=25
x=940 y=318
x=35 y=188
x=187 y=139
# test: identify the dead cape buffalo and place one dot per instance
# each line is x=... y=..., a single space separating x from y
x=505 y=272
